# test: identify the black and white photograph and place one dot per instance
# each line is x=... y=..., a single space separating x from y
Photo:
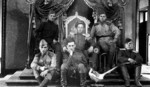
x=74 y=43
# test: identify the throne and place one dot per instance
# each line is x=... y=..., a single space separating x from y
x=70 y=24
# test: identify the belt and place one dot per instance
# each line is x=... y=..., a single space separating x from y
x=98 y=37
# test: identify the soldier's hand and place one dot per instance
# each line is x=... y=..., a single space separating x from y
x=131 y=61
x=64 y=49
x=72 y=34
x=71 y=53
x=87 y=36
x=90 y=49
x=44 y=73
x=54 y=41
x=42 y=68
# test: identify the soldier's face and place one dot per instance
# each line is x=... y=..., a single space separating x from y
x=102 y=17
x=129 y=45
x=43 y=48
x=51 y=17
x=80 y=28
x=71 y=46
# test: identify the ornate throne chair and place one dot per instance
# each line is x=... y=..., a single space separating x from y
x=70 y=24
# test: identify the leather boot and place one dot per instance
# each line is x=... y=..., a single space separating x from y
x=82 y=79
x=63 y=79
x=39 y=79
x=48 y=78
x=126 y=76
x=137 y=76
x=44 y=83
x=94 y=61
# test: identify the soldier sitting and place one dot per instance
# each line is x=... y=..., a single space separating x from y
x=135 y=61
x=73 y=60
x=44 y=64
x=82 y=40
x=106 y=35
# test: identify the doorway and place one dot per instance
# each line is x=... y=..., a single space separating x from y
x=142 y=29
x=142 y=34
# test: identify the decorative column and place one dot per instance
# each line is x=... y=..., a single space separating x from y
x=148 y=36
x=4 y=4
x=30 y=29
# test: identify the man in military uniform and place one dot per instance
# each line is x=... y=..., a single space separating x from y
x=73 y=60
x=82 y=40
x=135 y=61
x=106 y=35
x=49 y=31
x=44 y=65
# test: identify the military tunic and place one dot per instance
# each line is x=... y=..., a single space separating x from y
x=130 y=69
x=80 y=40
x=105 y=32
x=48 y=60
x=106 y=36
x=75 y=59
x=124 y=54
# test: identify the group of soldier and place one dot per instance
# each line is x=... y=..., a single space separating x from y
x=73 y=53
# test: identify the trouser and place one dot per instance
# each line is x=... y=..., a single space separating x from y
x=125 y=72
x=81 y=69
x=94 y=60
x=43 y=81
x=47 y=78
x=100 y=48
x=108 y=47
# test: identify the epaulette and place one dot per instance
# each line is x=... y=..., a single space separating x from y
x=96 y=24
x=109 y=22
x=38 y=55
x=51 y=54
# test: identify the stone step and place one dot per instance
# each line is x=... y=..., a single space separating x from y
x=31 y=77
x=38 y=86
x=28 y=74
x=15 y=81
x=26 y=78
x=79 y=86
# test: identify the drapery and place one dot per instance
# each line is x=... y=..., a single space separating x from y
x=42 y=10
x=112 y=12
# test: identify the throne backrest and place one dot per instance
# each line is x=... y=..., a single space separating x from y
x=70 y=24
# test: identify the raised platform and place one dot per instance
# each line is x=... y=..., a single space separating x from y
x=26 y=78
